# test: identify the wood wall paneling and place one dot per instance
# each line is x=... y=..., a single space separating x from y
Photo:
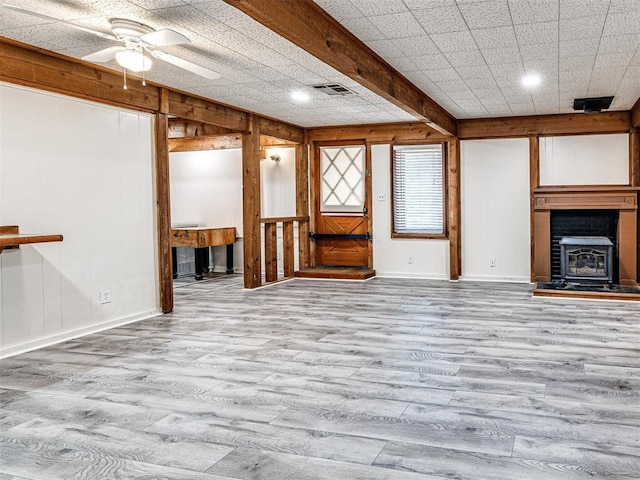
x=454 y=209
x=534 y=182
x=163 y=213
x=302 y=203
x=308 y=26
x=544 y=125
x=251 y=204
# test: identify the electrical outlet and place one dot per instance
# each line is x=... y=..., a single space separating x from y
x=105 y=296
x=410 y=259
x=492 y=263
x=381 y=197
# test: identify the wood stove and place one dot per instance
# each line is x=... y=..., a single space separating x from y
x=587 y=260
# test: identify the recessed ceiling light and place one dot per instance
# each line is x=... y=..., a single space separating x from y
x=531 y=80
x=300 y=96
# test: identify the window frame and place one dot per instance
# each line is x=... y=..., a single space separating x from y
x=445 y=192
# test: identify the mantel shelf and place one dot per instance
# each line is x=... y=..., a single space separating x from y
x=11 y=238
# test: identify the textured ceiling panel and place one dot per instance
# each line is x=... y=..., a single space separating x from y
x=468 y=55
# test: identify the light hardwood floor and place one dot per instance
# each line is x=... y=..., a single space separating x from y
x=328 y=380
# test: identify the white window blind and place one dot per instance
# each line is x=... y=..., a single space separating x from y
x=418 y=190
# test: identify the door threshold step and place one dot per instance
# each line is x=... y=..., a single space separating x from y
x=336 y=273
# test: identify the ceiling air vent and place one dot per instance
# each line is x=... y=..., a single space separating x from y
x=592 y=105
x=334 y=89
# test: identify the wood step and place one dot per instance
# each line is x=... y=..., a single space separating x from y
x=336 y=273
x=547 y=292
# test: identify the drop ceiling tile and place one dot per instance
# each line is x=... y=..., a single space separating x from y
x=397 y=25
x=474 y=83
x=370 y=8
x=578 y=62
x=494 y=56
x=480 y=71
x=620 y=43
x=470 y=58
x=415 y=5
x=578 y=28
x=537 y=33
x=339 y=8
x=442 y=75
x=586 y=46
x=409 y=45
x=498 y=37
x=499 y=111
x=362 y=28
x=546 y=108
x=530 y=11
x=453 y=86
x=488 y=93
x=622 y=23
x=583 y=8
x=541 y=51
x=522 y=108
x=489 y=14
x=454 y=41
x=613 y=60
x=431 y=62
x=385 y=48
x=403 y=64
x=441 y=20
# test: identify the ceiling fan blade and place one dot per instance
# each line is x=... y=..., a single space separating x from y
x=103 y=56
x=57 y=20
x=164 y=38
x=187 y=65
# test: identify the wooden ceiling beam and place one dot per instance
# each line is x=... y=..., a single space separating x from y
x=201 y=110
x=281 y=130
x=635 y=115
x=544 y=125
x=182 y=127
x=205 y=142
x=305 y=24
x=377 y=133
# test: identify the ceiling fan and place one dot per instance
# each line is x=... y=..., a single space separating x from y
x=138 y=42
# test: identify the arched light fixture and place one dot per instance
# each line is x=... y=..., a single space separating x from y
x=134 y=60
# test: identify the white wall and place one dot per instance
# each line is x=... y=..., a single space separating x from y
x=86 y=171
x=585 y=160
x=430 y=258
x=278 y=187
x=495 y=210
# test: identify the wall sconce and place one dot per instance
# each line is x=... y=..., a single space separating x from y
x=274 y=158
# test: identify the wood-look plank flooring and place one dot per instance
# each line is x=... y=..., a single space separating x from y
x=330 y=380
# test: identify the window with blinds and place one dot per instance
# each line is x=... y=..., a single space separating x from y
x=418 y=190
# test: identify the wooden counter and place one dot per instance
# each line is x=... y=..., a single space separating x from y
x=201 y=238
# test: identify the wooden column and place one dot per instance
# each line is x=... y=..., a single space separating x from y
x=314 y=195
x=368 y=203
x=287 y=248
x=534 y=182
x=251 y=204
x=454 y=209
x=271 y=252
x=302 y=203
x=163 y=213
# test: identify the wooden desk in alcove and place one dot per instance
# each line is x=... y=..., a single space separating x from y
x=201 y=238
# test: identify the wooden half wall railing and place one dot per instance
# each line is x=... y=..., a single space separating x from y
x=288 y=225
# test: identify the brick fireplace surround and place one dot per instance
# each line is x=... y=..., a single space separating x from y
x=601 y=197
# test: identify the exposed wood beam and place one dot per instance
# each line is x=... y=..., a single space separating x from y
x=251 y=204
x=454 y=208
x=32 y=67
x=377 y=133
x=201 y=110
x=305 y=24
x=544 y=125
x=181 y=127
x=281 y=130
x=635 y=115
x=163 y=215
x=209 y=142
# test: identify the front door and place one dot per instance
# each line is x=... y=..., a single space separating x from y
x=342 y=217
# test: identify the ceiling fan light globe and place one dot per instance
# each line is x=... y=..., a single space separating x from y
x=134 y=61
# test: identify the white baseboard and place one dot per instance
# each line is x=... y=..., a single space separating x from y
x=419 y=276
x=70 y=335
x=486 y=278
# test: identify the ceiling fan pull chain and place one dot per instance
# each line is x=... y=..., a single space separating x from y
x=124 y=87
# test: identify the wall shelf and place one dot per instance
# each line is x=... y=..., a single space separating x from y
x=10 y=237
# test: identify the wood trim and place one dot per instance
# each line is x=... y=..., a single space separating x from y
x=251 y=204
x=454 y=223
x=378 y=133
x=284 y=219
x=314 y=198
x=368 y=200
x=302 y=203
x=163 y=213
x=270 y=252
x=534 y=182
x=281 y=130
x=544 y=125
x=287 y=249
x=163 y=104
x=541 y=292
x=203 y=143
x=308 y=26
x=182 y=127
x=635 y=115
x=634 y=157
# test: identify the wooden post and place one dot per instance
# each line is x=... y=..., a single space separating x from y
x=287 y=249
x=455 y=237
x=251 y=204
x=271 y=251
x=368 y=203
x=314 y=195
x=634 y=179
x=163 y=213
x=534 y=182
x=302 y=203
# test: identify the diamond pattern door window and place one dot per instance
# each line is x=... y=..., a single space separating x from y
x=342 y=179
